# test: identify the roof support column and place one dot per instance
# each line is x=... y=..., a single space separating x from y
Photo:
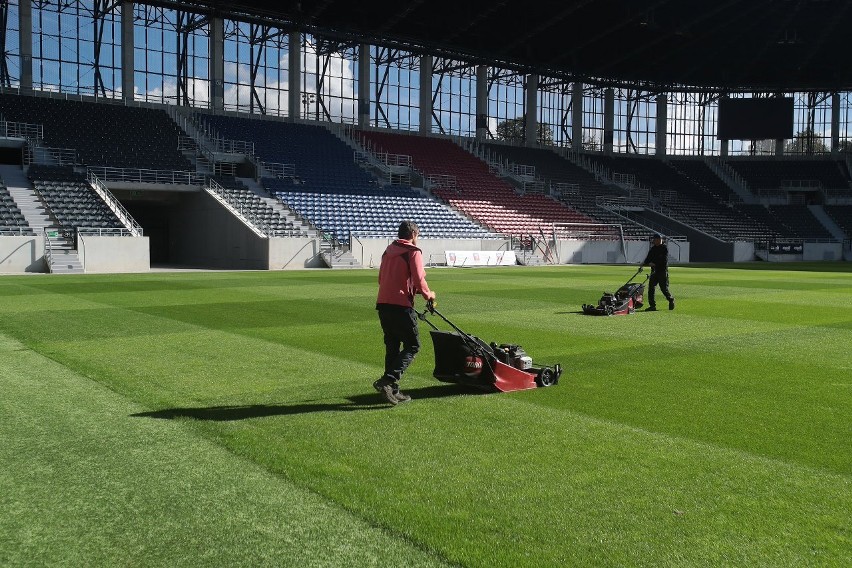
x=835 y=124
x=426 y=94
x=217 y=62
x=294 y=74
x=127 y=48
x=723 y=144
x=609 y=120
x=661 y=135
x=577 y=116
x=481 y=102
x=363 y=85
x=25 y=41
x=531 y=122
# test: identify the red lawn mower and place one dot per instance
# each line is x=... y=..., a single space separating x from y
x=465 y=359
x=623 y=301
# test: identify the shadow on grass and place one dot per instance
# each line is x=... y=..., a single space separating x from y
x=370 y=401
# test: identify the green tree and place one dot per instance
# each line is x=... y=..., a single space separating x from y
x=591 y=142
x=845 y=146
x=514 y=129
x=806 y=142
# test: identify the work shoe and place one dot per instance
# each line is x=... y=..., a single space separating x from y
x=651 y=309
x=401 y=396
x=388 y=389
x=671 y=303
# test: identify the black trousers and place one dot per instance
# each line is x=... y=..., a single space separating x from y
x=660 y=278
x=402 y=338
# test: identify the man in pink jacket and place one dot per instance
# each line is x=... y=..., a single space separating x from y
x=401 y=276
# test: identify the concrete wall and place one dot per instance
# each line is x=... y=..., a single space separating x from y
x=114 y=254
x=205 y=234
x=822 y=251
x=743 y=251
x=609 y=252
x=22 y=254
x=369 y=251
x=294 y=253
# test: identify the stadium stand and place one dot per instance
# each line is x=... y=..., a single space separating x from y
x=842 y=216
x=682 y=190
x=111 y=135
x=777 y=174
x=800 y=222
x=70 y=198
x=575 y=187
x=476 y=192
x=330 y=191
x=375 y=214
x=322 y=162
x=11 y=217
x=238 y=194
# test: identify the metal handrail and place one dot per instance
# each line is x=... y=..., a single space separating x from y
x=105 y=232
x=50 y=156
x=259 y=227
x=13 y=231
x=123 y=215
x=48 y=251
x=141 y=175
x=25 y=130
x=279 y=170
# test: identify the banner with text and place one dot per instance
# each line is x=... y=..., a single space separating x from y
x=480 y=258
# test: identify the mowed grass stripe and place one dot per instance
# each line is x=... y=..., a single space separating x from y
x=85 y=484
x=319 y=424
x=524 y=486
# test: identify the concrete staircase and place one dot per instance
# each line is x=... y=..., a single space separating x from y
x=828 y=222
x=64 y=258
x=299 y=224
x=340 y=258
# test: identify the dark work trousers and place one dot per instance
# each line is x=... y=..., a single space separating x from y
x=662 y=278
x=399 y=325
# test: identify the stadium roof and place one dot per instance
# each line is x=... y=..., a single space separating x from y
x=735 y=44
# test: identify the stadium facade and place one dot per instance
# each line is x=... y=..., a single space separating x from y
x=203 y=65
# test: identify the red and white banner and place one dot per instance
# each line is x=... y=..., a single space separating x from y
x=481 y=258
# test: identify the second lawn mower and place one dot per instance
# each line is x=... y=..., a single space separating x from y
x=623 y=301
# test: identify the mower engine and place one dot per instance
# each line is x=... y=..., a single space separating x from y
x=512 y=355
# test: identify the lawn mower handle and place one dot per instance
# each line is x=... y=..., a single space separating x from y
x=430 y=307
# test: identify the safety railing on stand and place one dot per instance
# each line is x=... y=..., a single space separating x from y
x=114 y=204
x=49 y=156
x=278 y=170
x=32 y=133
x=48 y=251
x=218 y=192
x=139 y=175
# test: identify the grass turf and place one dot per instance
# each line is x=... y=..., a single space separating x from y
x=718 y=434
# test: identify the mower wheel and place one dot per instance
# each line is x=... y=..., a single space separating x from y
x=546 y=378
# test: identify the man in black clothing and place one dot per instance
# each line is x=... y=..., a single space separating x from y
x=658 y=260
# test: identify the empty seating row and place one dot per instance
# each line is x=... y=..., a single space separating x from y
x=377 y=214
x=570 y=183
x=11 y=218
x=777 y=174
x=70 y=198
x=110 y=135
x=476 y=186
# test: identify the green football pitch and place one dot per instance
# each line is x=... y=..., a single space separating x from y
x=228 y=419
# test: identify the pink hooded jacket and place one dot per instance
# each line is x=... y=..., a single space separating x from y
x=401 y=275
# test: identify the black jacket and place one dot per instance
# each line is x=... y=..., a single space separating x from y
x=659 y=255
